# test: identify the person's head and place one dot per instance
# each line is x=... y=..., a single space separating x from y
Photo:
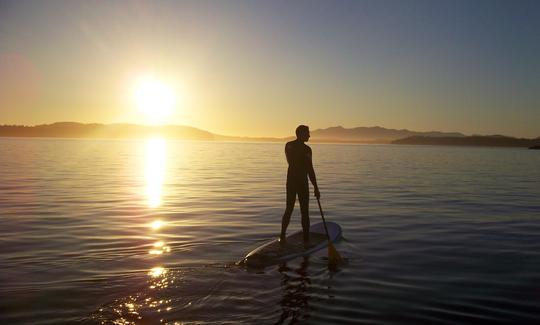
x=302 y=133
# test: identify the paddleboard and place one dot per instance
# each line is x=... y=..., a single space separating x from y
x=273 y=252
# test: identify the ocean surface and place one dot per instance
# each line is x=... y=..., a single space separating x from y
x=148 y=232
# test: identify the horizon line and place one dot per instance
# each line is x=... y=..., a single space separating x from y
x=258 y=136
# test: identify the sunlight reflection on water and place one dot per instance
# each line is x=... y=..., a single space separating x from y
x=156 y=271
x=156 y=225
x=155 y=155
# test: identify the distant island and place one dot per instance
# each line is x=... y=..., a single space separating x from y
x=337 y=134
x=476 y=140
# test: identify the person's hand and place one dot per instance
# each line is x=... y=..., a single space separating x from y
x=317 y=193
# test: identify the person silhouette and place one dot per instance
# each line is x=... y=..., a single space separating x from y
x=300 y=168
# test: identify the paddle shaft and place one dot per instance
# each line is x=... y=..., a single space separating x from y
x=333 y=256
x=324 y=221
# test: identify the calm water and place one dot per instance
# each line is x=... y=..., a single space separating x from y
x=147 y=232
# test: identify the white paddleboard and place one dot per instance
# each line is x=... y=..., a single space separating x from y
x=273 y=252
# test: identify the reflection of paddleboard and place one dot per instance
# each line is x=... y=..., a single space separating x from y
x=273 y=252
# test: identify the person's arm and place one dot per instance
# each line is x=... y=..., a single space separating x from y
x=311 y=174
x=287 y=151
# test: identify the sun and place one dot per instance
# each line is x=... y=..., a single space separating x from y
x=154 y=99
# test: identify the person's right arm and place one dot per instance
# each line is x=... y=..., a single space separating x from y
x=288 y=152
x=311 y=174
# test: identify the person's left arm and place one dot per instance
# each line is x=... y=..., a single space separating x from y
x=311 y=173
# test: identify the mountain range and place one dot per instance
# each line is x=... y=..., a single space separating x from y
x=335 y=134
x=94 y=130
x=375 y=134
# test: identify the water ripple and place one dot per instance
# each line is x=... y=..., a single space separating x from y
x=441 y=235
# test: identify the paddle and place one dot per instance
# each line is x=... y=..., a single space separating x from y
x=333 y=256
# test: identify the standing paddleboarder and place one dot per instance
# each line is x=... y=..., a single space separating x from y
x=300 y=168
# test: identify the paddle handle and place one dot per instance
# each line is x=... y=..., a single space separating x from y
x=324 y=221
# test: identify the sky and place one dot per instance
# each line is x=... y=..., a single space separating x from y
x=260 y=68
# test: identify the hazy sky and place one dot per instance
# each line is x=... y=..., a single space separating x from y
x=260 y=68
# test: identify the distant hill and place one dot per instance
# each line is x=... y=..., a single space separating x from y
x=80 y=130
x=374 y=134
x=475 y=140
x=336 y=134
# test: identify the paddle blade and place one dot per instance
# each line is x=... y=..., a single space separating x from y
x=333 y=256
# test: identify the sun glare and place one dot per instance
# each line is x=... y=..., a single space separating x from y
x=154 y=99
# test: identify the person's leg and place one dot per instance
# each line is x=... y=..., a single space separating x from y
x=291 y=199
x=303 y=197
